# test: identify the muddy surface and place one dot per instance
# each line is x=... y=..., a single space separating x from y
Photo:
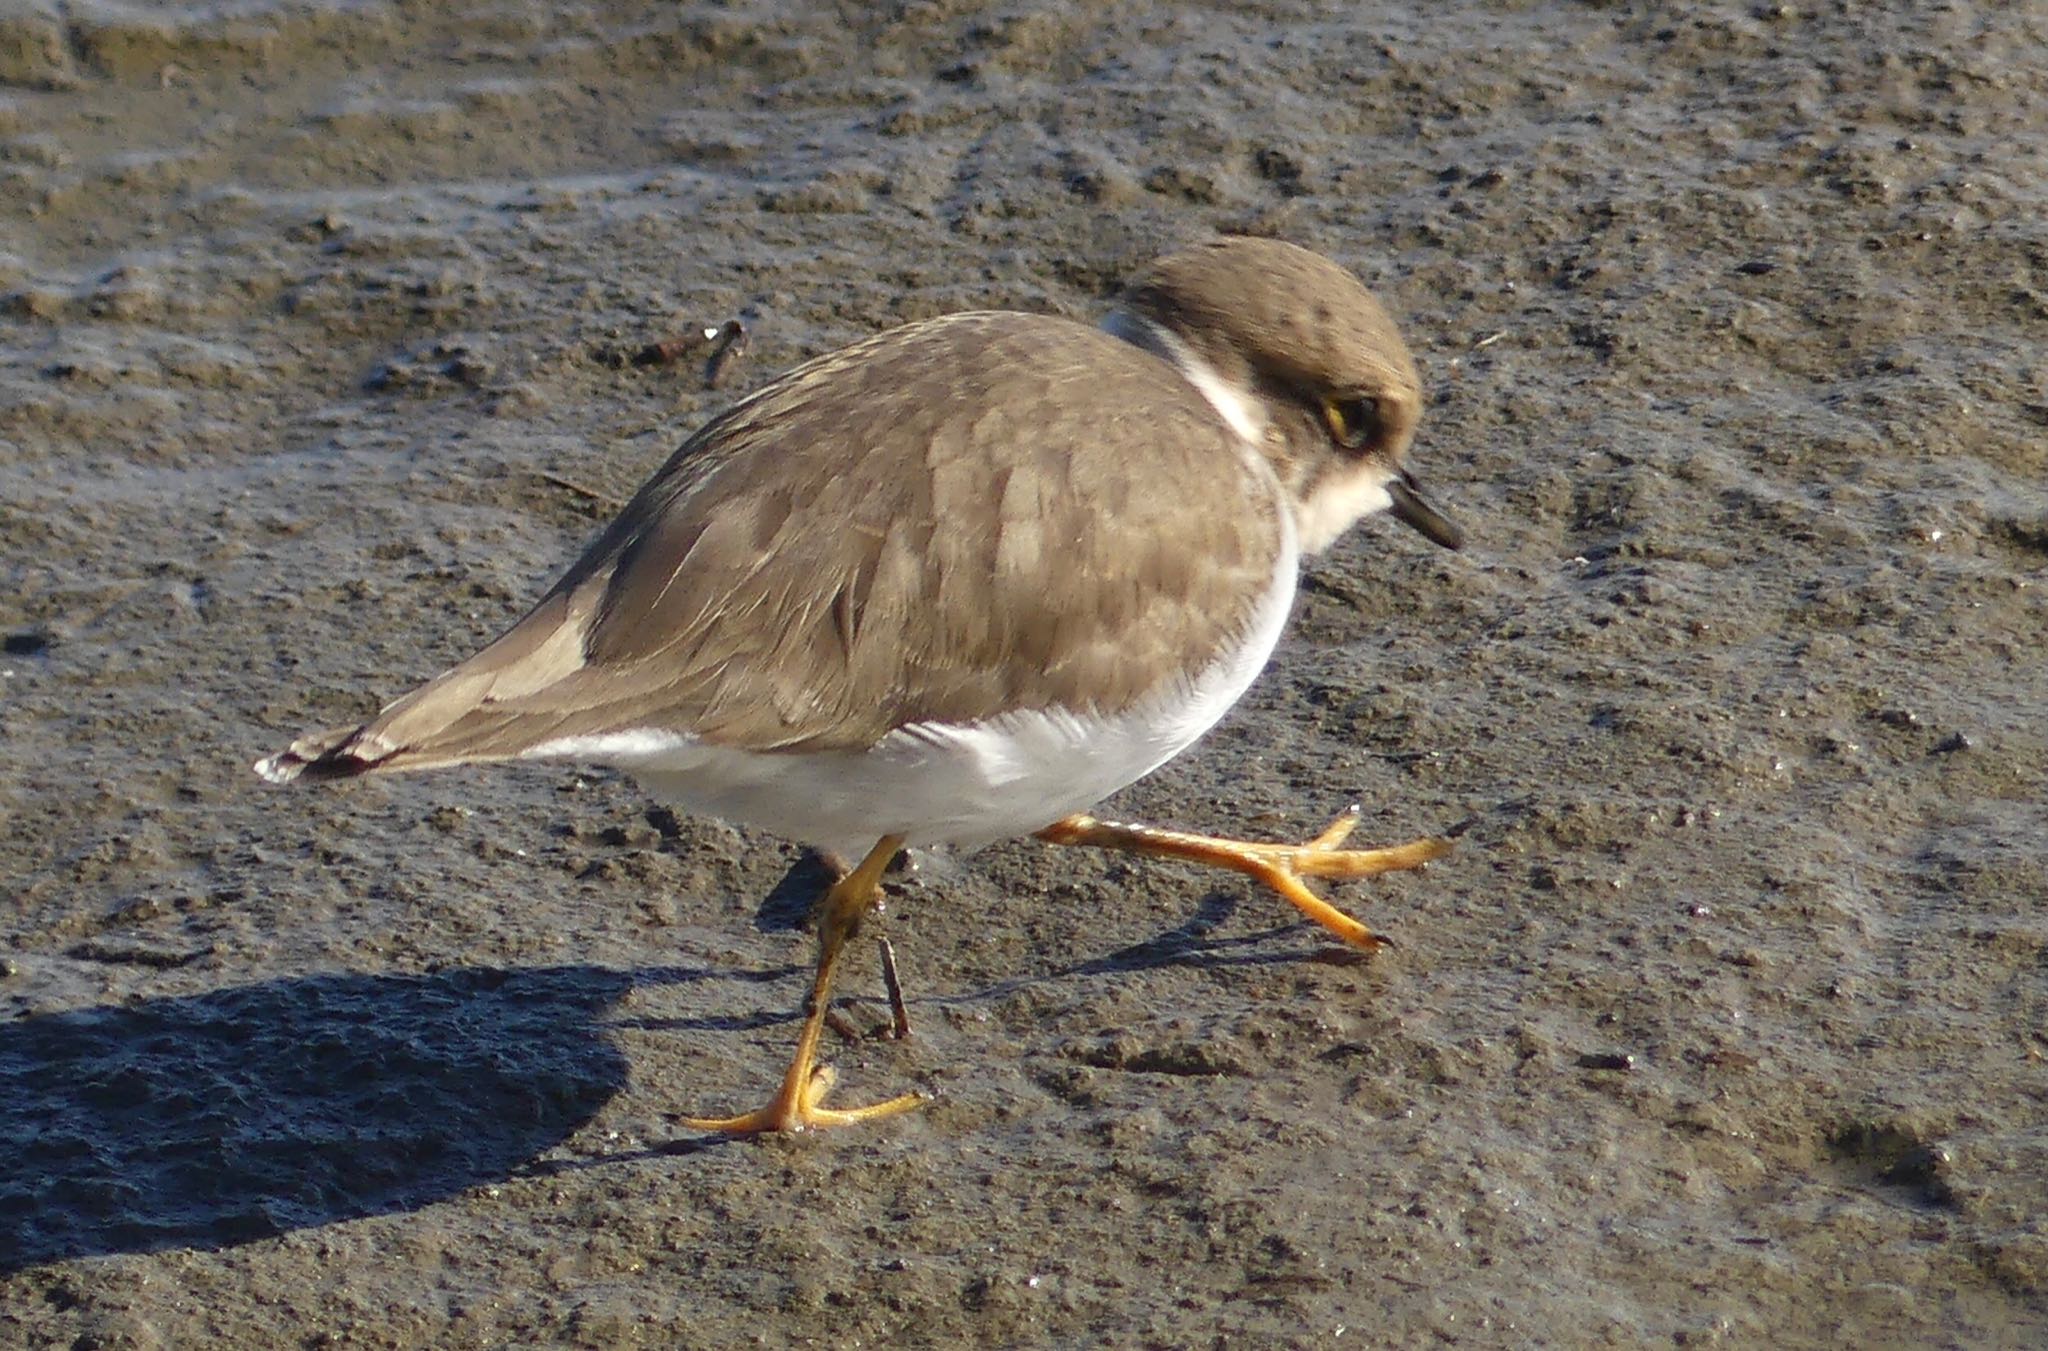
x=1725 y=1023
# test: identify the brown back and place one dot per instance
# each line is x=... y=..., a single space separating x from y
x=974 y=514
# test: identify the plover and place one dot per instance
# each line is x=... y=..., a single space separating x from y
x=961 y=582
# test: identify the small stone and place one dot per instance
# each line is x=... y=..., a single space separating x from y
x=1618 y=1061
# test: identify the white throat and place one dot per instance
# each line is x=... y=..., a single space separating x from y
x=1329 y=510
x=1232 y=402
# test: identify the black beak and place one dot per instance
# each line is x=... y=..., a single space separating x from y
x=1413 y=510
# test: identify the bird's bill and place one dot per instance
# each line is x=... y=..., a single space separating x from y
x=1412 y=509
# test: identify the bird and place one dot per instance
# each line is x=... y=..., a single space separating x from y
x=960 y=582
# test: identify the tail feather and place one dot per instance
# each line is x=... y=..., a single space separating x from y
x=488 y=708
x=337 y=753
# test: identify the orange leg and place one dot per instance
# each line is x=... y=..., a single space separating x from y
x=795 y=1106
x=1279 y=866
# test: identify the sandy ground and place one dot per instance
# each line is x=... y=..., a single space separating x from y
x=1725 y=1024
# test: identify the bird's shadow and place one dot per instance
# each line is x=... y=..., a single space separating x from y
x=247 y=1112
x=243 y=1113
x=1192 y=944
x=789 y=903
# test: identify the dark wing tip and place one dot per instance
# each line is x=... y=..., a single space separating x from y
x=340 y=753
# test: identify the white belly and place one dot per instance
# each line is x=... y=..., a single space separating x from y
x=946 y=784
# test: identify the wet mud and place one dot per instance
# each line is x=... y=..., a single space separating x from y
x=1724 y=1023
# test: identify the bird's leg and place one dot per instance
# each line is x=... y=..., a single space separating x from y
x=899 y=1016
x=899 y=1013
x=1280 y=866
x=795 y=1106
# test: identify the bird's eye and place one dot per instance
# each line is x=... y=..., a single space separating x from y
x=1355 y=422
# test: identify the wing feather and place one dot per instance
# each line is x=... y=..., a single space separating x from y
x=940 y=524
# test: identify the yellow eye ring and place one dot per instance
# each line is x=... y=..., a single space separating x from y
x=1354 y=422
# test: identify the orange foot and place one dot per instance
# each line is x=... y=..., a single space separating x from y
x=1279 y=866
x=799 y=1110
